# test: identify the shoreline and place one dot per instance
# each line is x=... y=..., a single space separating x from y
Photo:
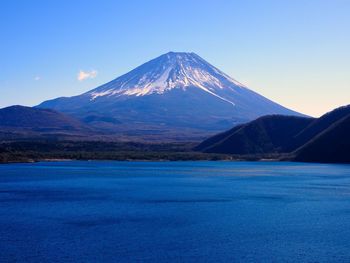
x=138 y=160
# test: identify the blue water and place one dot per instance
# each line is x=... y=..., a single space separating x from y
x=174 y=212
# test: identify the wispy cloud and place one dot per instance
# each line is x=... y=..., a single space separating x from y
x=36 y=78
x=83 y=75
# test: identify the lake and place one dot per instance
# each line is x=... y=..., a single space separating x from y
x=174 y=212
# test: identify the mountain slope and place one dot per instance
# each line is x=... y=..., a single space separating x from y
x=269 y=134
x=26 y=120
x=173 y=92
x=331 y=146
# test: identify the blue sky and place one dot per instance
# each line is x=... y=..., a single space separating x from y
x=294 y=52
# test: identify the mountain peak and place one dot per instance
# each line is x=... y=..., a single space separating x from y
x=182 y=57
x=173 y=70
x=179 y=54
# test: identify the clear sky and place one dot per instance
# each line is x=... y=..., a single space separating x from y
x=295 y=52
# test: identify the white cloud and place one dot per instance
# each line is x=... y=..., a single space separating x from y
x=83 y=75
x=36 y=78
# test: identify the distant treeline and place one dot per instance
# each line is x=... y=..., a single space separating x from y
x=31 y=151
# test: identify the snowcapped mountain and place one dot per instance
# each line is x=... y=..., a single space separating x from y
x=178 y=93
x=170 y=71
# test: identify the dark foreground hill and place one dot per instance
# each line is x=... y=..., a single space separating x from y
x=326 y=139
x=331 y=145
x=321 y=124
x=269 y=134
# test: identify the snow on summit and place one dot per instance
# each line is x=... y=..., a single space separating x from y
x=174 y=70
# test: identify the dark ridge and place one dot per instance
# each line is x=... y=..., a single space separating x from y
x=330 y=146
x=269 y=134
x=26 y=122
x=321 y=124
x=325 y=139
